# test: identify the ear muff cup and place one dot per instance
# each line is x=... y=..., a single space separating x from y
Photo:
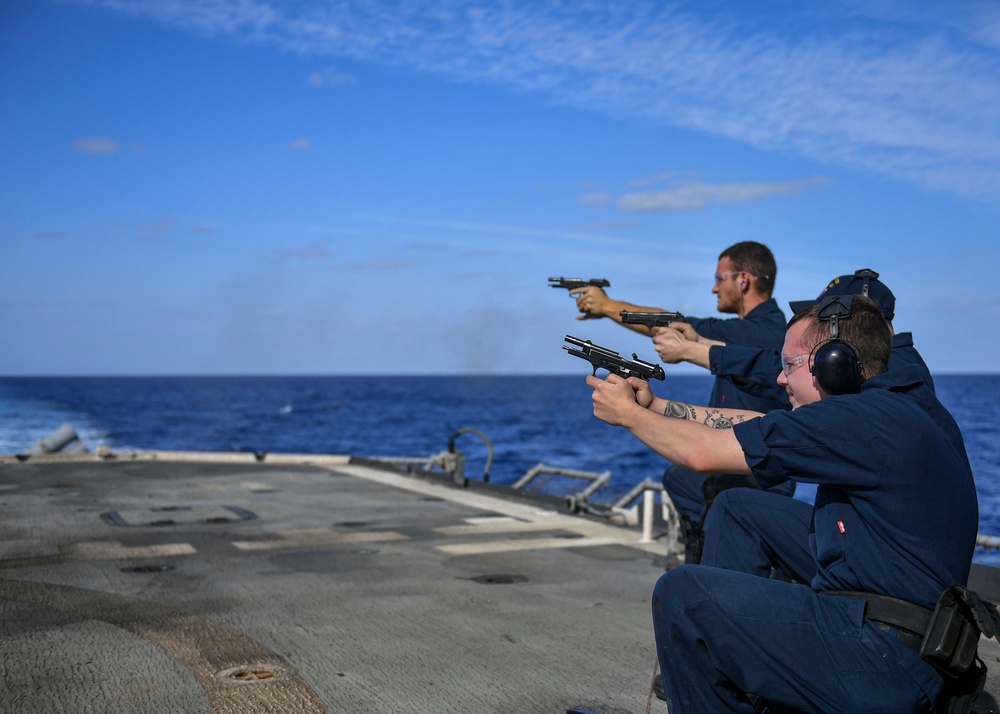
x=836 y=368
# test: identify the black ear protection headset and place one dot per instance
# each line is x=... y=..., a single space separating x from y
x=835 y=363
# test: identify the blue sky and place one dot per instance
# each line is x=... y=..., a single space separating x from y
x=300 y=187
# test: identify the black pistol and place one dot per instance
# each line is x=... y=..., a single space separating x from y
x=602 y=358
x=651 y=319
x=576 y=283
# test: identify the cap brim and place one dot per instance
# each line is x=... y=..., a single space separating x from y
x=800 y=305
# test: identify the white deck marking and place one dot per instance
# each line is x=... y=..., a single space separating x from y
x=317 y=536
x=114 y=550
x=511 y=526
x=501 y=546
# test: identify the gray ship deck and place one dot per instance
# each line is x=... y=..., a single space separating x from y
x=173 y=583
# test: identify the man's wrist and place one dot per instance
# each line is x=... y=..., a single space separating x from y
x=630 y=416
x=657 y=405
x=611 y=309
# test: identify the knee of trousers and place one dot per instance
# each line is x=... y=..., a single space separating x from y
x=735 y=501
x=722 y=506
x=675 y=589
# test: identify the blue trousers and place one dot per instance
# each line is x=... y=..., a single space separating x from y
x=753 y=531
x=684 y=488
x=721 y=634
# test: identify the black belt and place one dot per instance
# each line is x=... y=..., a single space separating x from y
x=910 y=620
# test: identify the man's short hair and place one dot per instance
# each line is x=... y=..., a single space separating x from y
x=756 y=259
x=866 y=331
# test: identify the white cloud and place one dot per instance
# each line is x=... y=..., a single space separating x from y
x=300 y=144
x=382 y=265
x=910 y=95
x=329 y=77
x=650 y=180
x=694 y=195
x=607 y=226
x=594 y=199
x=319 y=250
x=460 y=235
x=103 y=145
x=151 y=231
x=96 y=145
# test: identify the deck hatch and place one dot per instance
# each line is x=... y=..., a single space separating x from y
x=177 y=516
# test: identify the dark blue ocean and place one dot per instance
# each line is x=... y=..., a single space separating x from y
x=528 y=419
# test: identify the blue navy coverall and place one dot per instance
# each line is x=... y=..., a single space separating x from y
x=749 y=531
x=896 y=514
x=763 y=328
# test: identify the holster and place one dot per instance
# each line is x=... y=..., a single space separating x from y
x=953 y=632
x=959 y=618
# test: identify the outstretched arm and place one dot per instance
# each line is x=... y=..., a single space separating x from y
x=696 y=438
x=595 y=303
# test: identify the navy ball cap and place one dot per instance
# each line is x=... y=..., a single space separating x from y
x=854 y=285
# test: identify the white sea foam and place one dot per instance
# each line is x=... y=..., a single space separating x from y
x=24 y=422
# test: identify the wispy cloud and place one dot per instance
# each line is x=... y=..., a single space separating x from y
x=300 y=144
x=459 y=234
x=96 y=145
x=910 y=95
x=103 y=145
x=384 y=265
x=647 y=181
x=329 y=77
x=33 y=304
x=595 y=199
x=607 y=226
x=695 y=195
x=426 y=247
x=318 y=250
x=151 y=231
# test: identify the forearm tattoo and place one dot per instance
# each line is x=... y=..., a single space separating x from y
x=716 y=420
x=679 y=410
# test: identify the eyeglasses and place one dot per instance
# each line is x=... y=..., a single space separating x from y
x=725 y=276
x=790 y=363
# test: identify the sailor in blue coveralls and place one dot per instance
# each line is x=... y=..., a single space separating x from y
x=895 y=515
x=756 y=534
x=744 y=281
x=753 y=370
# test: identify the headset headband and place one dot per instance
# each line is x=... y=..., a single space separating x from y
x=833 y=308
x=866 y=274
